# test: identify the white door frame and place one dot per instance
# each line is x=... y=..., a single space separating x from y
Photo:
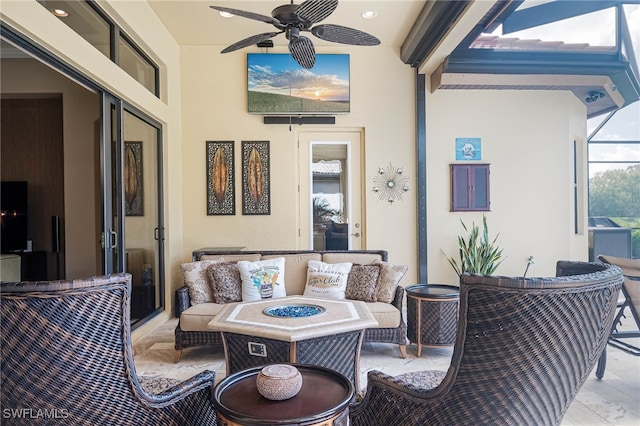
x=353 y=139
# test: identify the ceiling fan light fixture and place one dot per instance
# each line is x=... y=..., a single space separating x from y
x=292 y=19
x=225 y=14
x=369 y=14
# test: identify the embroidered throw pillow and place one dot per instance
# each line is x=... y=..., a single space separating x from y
x=328 y=280
x=390 y=276
x=195 y=278
x=225 y=281
x=361 y=284
x=263 y=279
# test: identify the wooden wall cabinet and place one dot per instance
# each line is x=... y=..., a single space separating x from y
x=470 y=187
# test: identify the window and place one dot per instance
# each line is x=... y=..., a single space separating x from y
x=95 y=26
x=614 y=172
x=136 y=64
x=470 y=187
x=85 y=20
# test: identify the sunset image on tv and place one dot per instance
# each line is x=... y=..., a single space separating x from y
x=278 y=85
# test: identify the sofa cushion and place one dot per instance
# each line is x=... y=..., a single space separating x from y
x=361 y=258
x=385 y=313
x=197 y=317
x=195 y=278
x=225 y=282
x=390 y=276
x=296 y=267
x=327 y=280
x=251 y=257
x=263 y=279
x=362 y=281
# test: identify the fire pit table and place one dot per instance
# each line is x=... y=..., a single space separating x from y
x=295 y=329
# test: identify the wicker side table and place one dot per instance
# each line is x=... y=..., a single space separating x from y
x=432 y=315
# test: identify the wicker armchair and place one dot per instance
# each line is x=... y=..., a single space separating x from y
x=631 y=303
x=524 y=348
x=67 y=359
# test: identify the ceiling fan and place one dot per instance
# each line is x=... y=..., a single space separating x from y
x=293 y=19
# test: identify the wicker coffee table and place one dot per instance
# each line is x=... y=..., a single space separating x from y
x=432 y=315
x=259 y=333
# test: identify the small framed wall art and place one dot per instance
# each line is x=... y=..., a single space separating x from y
x=256 y=186
x=468 y=149
x=221 y=196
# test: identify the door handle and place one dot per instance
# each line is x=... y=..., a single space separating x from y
x=114 y=239
x=357 y=234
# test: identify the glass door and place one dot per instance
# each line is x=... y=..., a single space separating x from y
x=133 y=234
x=330 y=202
x=143 y=250
x=112 y=237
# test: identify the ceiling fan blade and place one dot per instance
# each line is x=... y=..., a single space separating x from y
x=250 y=15
x=316 y=10
x=344 y=35
x=254 y=39
x=303 y=52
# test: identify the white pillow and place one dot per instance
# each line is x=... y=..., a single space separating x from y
x=328 y=280
x=263 y=279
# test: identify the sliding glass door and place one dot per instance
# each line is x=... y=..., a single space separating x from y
x=132 y=239
x=112 y=237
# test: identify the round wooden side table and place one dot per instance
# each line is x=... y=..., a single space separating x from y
x=432 y=315
x=323 y=400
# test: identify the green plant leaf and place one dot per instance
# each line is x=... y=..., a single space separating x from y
x=476 y=254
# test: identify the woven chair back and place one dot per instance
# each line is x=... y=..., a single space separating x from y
x=67 y=357
x=524 y=348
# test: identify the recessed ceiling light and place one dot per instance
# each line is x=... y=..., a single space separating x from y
x=226 y=14
x=60 y=13
x=369 y=14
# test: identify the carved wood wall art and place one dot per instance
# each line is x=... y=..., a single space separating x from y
x=221 y=197
x=133 y=184
x=256 y=186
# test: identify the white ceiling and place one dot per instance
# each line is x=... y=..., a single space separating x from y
x=193 y=22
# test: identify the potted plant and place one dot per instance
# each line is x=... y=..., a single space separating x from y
x=477 y=254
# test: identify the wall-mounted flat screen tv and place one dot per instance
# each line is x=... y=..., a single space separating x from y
x=278 y=85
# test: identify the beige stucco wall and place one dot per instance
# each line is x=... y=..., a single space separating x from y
x=527 y=137
x=214 y=90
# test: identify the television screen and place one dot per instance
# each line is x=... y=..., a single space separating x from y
x=277 y=84
x=13 y=210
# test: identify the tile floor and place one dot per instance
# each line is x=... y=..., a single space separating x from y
x=615 y=400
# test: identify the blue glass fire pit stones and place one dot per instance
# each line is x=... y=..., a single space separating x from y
x=293 y=311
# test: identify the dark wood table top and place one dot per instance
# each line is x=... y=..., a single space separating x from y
x=324 y=394
x=433 y=291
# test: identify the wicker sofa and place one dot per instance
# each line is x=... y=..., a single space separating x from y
x=67 y=359
x=524 y=348
x=192 y=328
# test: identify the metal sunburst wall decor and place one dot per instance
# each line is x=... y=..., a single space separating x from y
x=390 y=183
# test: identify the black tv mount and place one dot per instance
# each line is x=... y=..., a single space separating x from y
x=266 y=43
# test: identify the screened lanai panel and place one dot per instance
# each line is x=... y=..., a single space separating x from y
x=624 y=125
x=553 y=26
